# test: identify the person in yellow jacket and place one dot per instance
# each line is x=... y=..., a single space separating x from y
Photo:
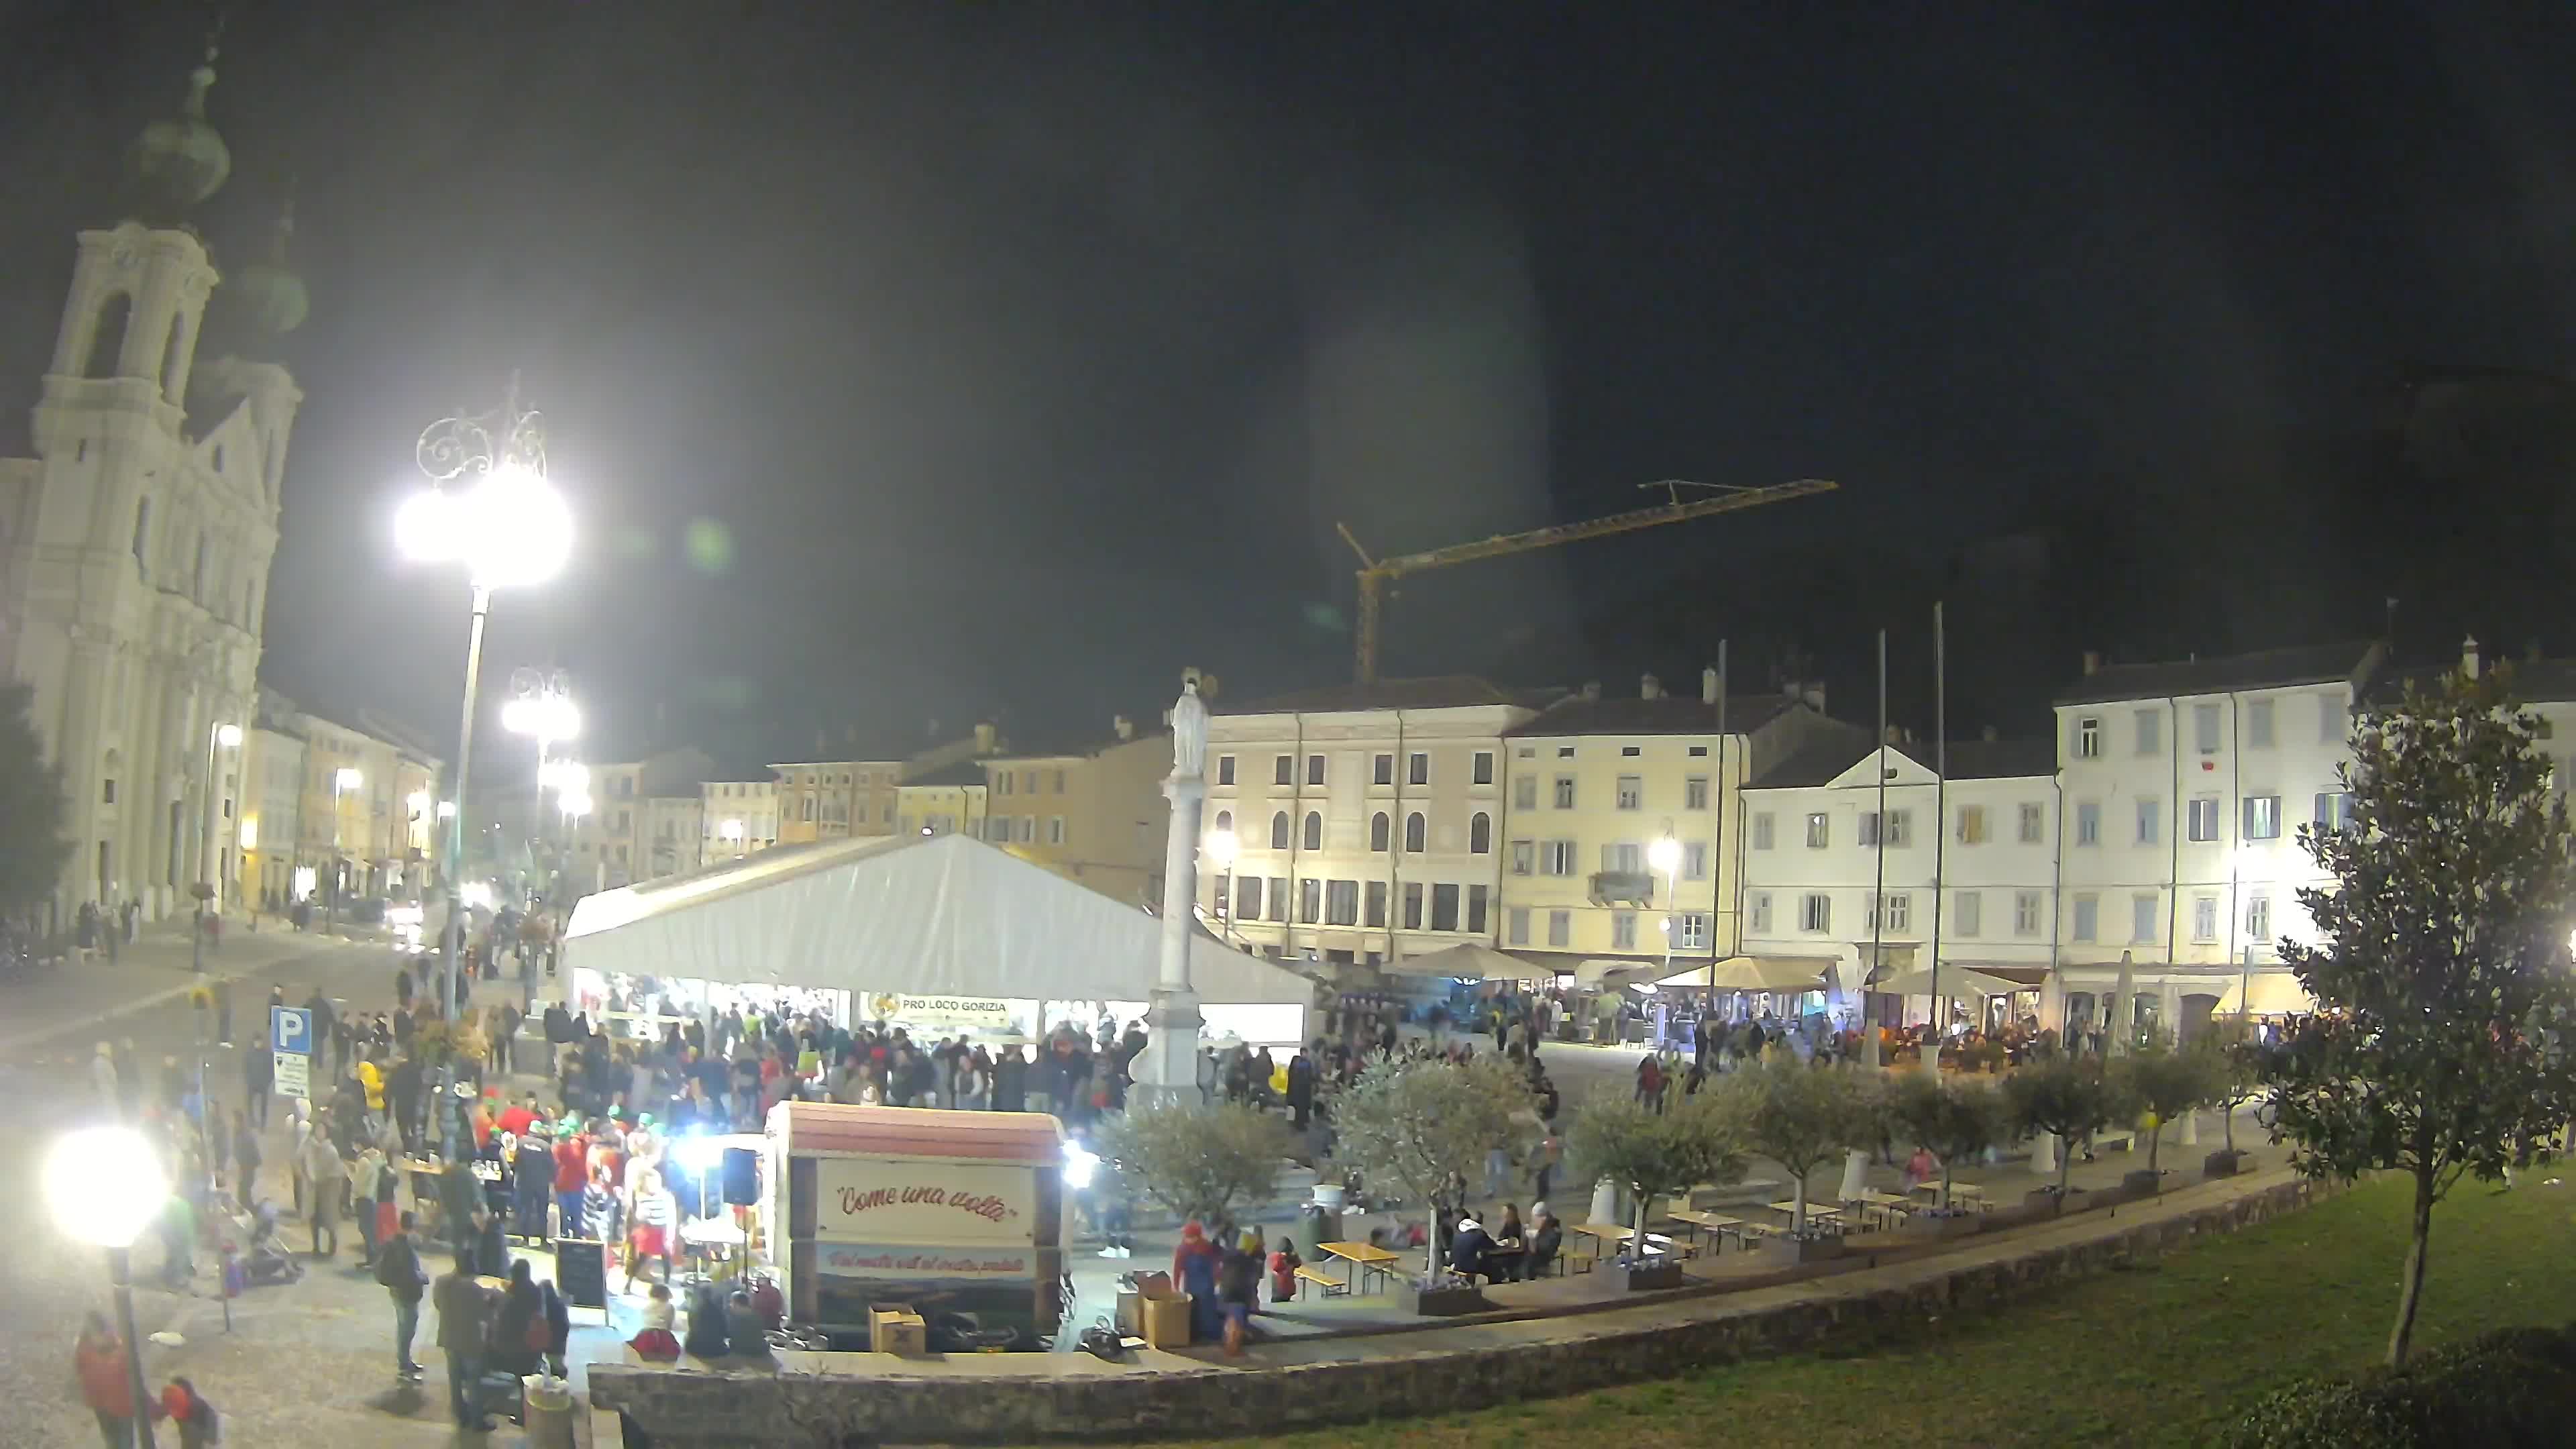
x=371 y=1079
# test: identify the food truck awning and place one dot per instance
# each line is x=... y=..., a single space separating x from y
x=1030 y=1137
x=1466 y=961
x=931 y=914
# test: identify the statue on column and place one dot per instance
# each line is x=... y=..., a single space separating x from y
x=1189 y=731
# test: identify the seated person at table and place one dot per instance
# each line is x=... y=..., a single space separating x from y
x=1507 y=1235
x=1468 y=1248
x=1545 y=1236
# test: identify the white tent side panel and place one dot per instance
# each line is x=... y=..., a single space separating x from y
x=945 y=915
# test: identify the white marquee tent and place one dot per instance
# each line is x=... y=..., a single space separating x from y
x=943 y=915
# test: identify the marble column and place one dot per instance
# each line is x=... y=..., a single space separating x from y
x=1167 y=1071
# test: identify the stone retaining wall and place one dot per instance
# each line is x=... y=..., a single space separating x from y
x=664 y=1409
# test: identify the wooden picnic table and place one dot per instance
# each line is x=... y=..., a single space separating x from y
x=1365 y=1259
x=1613 y=1237
x=1885 y=1205
x=1816 y=1212
x=1967 y=1193
x=1716 y=1225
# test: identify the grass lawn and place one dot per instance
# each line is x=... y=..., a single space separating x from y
x=2164 y=1354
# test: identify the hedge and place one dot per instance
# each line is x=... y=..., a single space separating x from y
x=2513 y=1386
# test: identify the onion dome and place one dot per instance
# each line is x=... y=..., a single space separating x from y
x=179 y=161
x=267 y=294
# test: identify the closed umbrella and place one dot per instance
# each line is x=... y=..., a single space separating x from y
x=2120 y=992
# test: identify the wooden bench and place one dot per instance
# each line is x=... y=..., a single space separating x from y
x=1333 y=1287
x=2125 y=1136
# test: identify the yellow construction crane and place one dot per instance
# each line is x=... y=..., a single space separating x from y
x=1376 y=573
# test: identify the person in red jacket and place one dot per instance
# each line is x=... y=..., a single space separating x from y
x=99 y=1359
x=572 y=1174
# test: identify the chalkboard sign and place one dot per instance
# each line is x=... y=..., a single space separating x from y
x=581 y=1271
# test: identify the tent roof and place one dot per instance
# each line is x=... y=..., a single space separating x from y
x=2272 y=993
x=1755 y=973
x=910 y=913
x=1465 y=961
x=1958 y=979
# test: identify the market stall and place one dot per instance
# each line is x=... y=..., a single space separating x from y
x=941 y=933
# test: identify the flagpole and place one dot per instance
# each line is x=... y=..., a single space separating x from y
x=1878 y=901
x=1940 y=825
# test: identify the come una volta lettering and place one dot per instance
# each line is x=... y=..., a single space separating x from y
x=885 y=1202
x=988 y=1206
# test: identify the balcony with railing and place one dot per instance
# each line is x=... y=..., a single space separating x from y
x=1623 y=886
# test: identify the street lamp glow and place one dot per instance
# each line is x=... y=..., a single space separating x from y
x=229 y=736
x=510 y=528
x=418 y=801
x=575 y=802
x=104 y=1185
x=347 y=778
x=477 y=896
x=544 y=716
x=1664 y=854
x=1222 y=846
x=446 y=809
x=730 y=830
x=567 y=777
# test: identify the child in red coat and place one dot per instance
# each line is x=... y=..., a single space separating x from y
x=1284 y=1264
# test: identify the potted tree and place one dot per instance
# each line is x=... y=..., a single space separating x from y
x=1955 y=1118
x=1196 y=1161
x=1800 y=1116
x=1654 y=1155
x=2234 y=1067
x=2160 y=1084
x=1413 y=1123
x=2065 y=1095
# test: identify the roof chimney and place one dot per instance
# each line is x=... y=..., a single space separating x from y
x=1123 y=727
x=2469 y=656
x=1650 y=688
x=984 y=737
x=2092 y=661
x=1592 y=689
x=1708 y=685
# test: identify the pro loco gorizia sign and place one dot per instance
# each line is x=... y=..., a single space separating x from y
x=987 y=1013
x=940 y=1204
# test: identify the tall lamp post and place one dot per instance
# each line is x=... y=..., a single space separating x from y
x=104 y=1187
x=343 y=780
x=490 y=508
x=1222 y=847
x=210 y=880
x=1666 y=855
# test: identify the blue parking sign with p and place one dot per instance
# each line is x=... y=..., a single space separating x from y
x=290 y=1029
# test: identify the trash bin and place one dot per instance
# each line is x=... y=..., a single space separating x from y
x=549 y=1402
x=1316 y=1226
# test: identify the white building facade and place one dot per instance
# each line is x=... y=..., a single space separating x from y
x=738 y=817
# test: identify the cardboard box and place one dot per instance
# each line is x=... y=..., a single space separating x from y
x=1167 y=1322
x=895 y=1328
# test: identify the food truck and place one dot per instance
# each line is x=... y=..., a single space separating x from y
x=959 y=1216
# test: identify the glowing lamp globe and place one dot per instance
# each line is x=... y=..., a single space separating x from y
x=104 y=1185
x=1664 y=854
x=510 y=528
x=1222 y=847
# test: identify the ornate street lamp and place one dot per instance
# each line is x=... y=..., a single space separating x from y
x=104 y=1186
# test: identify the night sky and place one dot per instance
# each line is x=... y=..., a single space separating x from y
x=932 y=361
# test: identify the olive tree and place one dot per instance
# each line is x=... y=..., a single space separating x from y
x=1655 y=1154
x=1799 y=1115
x=1196 y=1161
x=2068 y=1096
x=1954 y=1119
x=2163 y=1084
x=2441 y=1047
x=2233 y=1063
x=1416 y=1122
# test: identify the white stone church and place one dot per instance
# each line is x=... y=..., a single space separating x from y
x=135 y=545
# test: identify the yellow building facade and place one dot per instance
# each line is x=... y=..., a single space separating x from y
x=1094 y=814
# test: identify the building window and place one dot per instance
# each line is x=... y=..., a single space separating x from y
x=1816 y=912
x=1378 y=834
x=1695 y=793
x=1480 y=834
x=2334 y=722
x=1759 y=907
x=1900 y=911
x=1626 y=856
x=2334 y=810
x=1314 y=830
x=107 y=791
x=1483 y=769
x=2088 y=739
x=2204 y=918
x=1819 y=831
x=2258 y=919
x=1556 y=857
x=1055 y=830
x=1968 y=913
x=2262 y=817
x=1565 y=752
x=1630 y=752
x=2150 y=820
x=1414 y=832
x=1762 y=830
x=1376 y=904
x=1444 y=907
x=2258 y=724
x=2088 y=917
x=1314 y=769
x=1866 y=835
x=1382 y=770
x=2142 y=919
x=1623 y=930
x=1524 y=857
x=1310 y=900
x=2026 y=913
x=2200 y=823
x=1632 y=792
x=1479 y=898
x=2034 y=823
x=2088 y=822
x=1225 y=769
x=1279 y=898
x=1560 y=924
x=1565 y=792
x=2204 y=728
x=2151 y=731
x=1342 y=903
x=1972 y=826
x=1525 y=792
x=1900 y=829
x=1279 y=831
x=1002 y=782
x=1695 y=860
x=1283 y=770
x=1225 y=820
x=1417 y=769
x=1247 y=892
x=1516 y=922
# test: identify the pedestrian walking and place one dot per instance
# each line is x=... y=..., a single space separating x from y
x=398 y=1269
x=464 y=1335
x=182 y=1405
x=103 y=1080
x=326 y=1177
x=98 y=1359
x=246 y=1159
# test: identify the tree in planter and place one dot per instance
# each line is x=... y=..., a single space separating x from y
x=2162 y=1084
x=1415 y=1122
x=1955 y=1119
x=32 y=844
x=1653 y=1154
x=2065 y=1095
x=1799 y=1116
x=2233 y=1063
x=1196 y=1161
x=2442 y=1044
